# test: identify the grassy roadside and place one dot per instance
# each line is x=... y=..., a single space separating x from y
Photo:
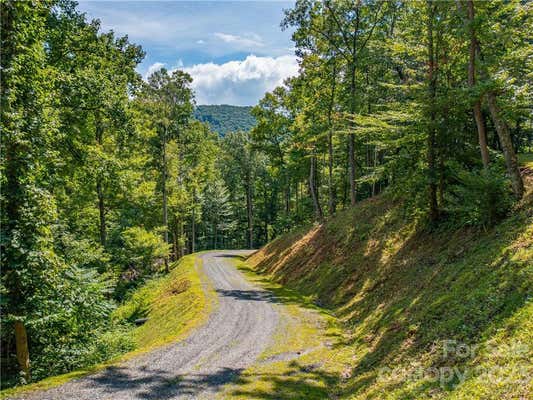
x=174 y=304
x=427 y=315
x=305 y=358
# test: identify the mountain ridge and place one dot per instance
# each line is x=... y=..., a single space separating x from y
x=224 y=118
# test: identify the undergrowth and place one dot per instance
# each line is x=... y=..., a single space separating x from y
x=173 y=304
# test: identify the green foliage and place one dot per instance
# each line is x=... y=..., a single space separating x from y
x=104 y=176
x=143 y=248
x=225 y=118
x=480 y=198
x=218 y=215
x=68 y=332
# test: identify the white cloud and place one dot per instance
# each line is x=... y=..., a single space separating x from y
x=248 y=41
x=153 y=68
x=200 y=41
x=240 y=82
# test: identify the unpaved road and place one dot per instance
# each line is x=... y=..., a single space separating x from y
x=237 y=331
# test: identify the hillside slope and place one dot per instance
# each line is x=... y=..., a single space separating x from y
x=426 y=314
x=225 y=118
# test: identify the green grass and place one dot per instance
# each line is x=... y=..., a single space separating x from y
x=174 y=304
x=402 y=293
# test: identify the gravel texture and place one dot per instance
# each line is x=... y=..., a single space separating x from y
x=237 y=331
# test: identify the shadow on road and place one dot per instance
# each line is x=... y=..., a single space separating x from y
x=248 y=295
x=152 y=383
x=298 y=382
x=236 y=256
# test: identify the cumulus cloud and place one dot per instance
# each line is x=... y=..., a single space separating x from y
x=153 y=68
x=248 y=41
x=240 y=82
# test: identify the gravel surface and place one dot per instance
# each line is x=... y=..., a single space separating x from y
x=237 y=331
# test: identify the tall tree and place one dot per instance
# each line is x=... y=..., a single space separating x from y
x=168 y=98
x=478 y=115
x=354 y=24
x=432 y=104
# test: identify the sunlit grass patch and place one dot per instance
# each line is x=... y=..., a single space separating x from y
x=526 y=160
x=402 y=292
x=173 y=304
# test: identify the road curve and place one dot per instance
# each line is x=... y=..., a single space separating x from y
x=236 y=332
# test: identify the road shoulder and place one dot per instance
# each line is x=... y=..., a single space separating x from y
x=306 y=360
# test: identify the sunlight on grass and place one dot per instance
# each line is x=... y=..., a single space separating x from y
x=174 y=304
x=303 y=361
x=526 y=159
x=402 y=294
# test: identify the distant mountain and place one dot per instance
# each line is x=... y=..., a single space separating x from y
x=225 y=118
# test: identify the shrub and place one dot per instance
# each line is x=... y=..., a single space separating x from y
x=143 y=248
x=65 y=335
x=480 y=198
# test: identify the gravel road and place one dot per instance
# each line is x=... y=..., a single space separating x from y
x=237 y=331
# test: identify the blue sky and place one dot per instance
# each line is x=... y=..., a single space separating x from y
x=235 y=51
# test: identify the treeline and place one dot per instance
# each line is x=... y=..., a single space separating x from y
x=106 y=180
x=430 y=99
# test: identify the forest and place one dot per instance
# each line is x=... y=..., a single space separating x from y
x=225 y=118
x=108 y=179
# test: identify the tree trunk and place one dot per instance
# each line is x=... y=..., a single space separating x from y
x=509 y=154
x=478 y=116
x=351 y=141
x=174 y=244
x=101 y=211
x=249 y=211
x=99 y=184
x=193 y=223
x=180 y=239
x=374 y=192
x=287 y=191
x=23 y=355
x=502 y=129
x=432 y=86
x=313 y=188
x=164 y=190
x=267 y=213
x=331 y=187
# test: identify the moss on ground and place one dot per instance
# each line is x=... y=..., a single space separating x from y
x=526 y=160
x=440 y=315
x=174 y=304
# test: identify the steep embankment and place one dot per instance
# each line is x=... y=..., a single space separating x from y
x=427 y=314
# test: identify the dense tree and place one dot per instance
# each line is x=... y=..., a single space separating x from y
x=403 y=101
x=81 y=181
x=168 y=100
